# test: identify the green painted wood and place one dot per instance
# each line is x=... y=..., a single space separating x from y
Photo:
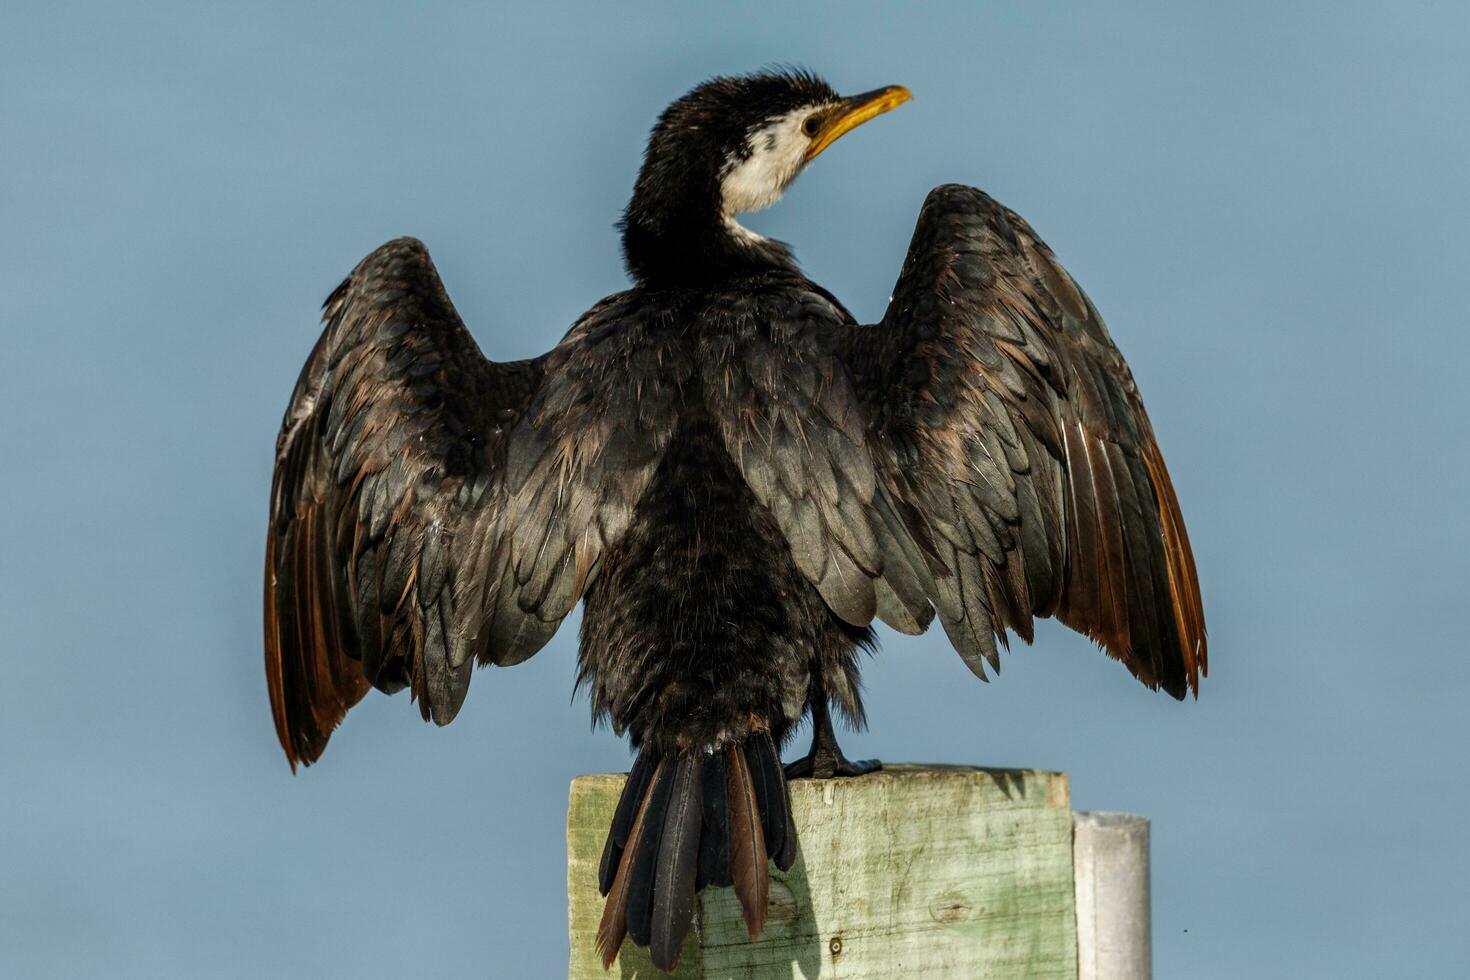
x=932 y=871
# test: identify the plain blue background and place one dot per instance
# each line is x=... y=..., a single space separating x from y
x=1267 y=201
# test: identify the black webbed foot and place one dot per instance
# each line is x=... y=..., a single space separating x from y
x=811 y=767
x=825 y=760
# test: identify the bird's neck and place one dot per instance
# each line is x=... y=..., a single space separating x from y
x=686 y=239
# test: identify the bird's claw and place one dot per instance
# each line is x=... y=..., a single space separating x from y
x=826 y=765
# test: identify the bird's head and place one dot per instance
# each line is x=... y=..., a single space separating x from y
x=729 y=146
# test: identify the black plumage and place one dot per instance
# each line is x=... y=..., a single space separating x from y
x=735 y=477
x=678 y=862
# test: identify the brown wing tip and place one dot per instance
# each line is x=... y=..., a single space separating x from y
x=274 y=670
x=1183 y=579
x=311 y=680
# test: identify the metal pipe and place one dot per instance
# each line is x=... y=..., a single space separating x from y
x=1110 y=860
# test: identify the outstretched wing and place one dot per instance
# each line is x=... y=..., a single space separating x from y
x=1009 y=429
x=427 y=507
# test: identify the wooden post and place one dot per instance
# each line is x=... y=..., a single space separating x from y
x=923 y=871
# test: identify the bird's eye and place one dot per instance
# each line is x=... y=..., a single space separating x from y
x=811 y=125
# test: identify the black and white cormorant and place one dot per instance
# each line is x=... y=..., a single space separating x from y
x=735 y=477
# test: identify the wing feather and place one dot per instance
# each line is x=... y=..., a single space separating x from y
x=399 y=551
x=1009 y=428
x=793 y=425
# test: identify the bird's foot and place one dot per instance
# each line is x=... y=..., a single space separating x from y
x=827 y=764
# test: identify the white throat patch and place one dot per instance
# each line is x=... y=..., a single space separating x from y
x=776 y=157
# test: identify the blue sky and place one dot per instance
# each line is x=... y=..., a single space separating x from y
x=1267 y=202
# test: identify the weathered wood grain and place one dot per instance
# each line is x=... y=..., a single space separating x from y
x=932 y=871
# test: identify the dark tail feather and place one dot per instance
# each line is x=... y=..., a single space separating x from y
x=685 y=822
x=643 y=869
x=622 y=825
x=714 y=844
x=747 y=842
x=770 y=788
x=678 y=861
x=614 y=925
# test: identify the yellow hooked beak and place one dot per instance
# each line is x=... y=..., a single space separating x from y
x=853 y=112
